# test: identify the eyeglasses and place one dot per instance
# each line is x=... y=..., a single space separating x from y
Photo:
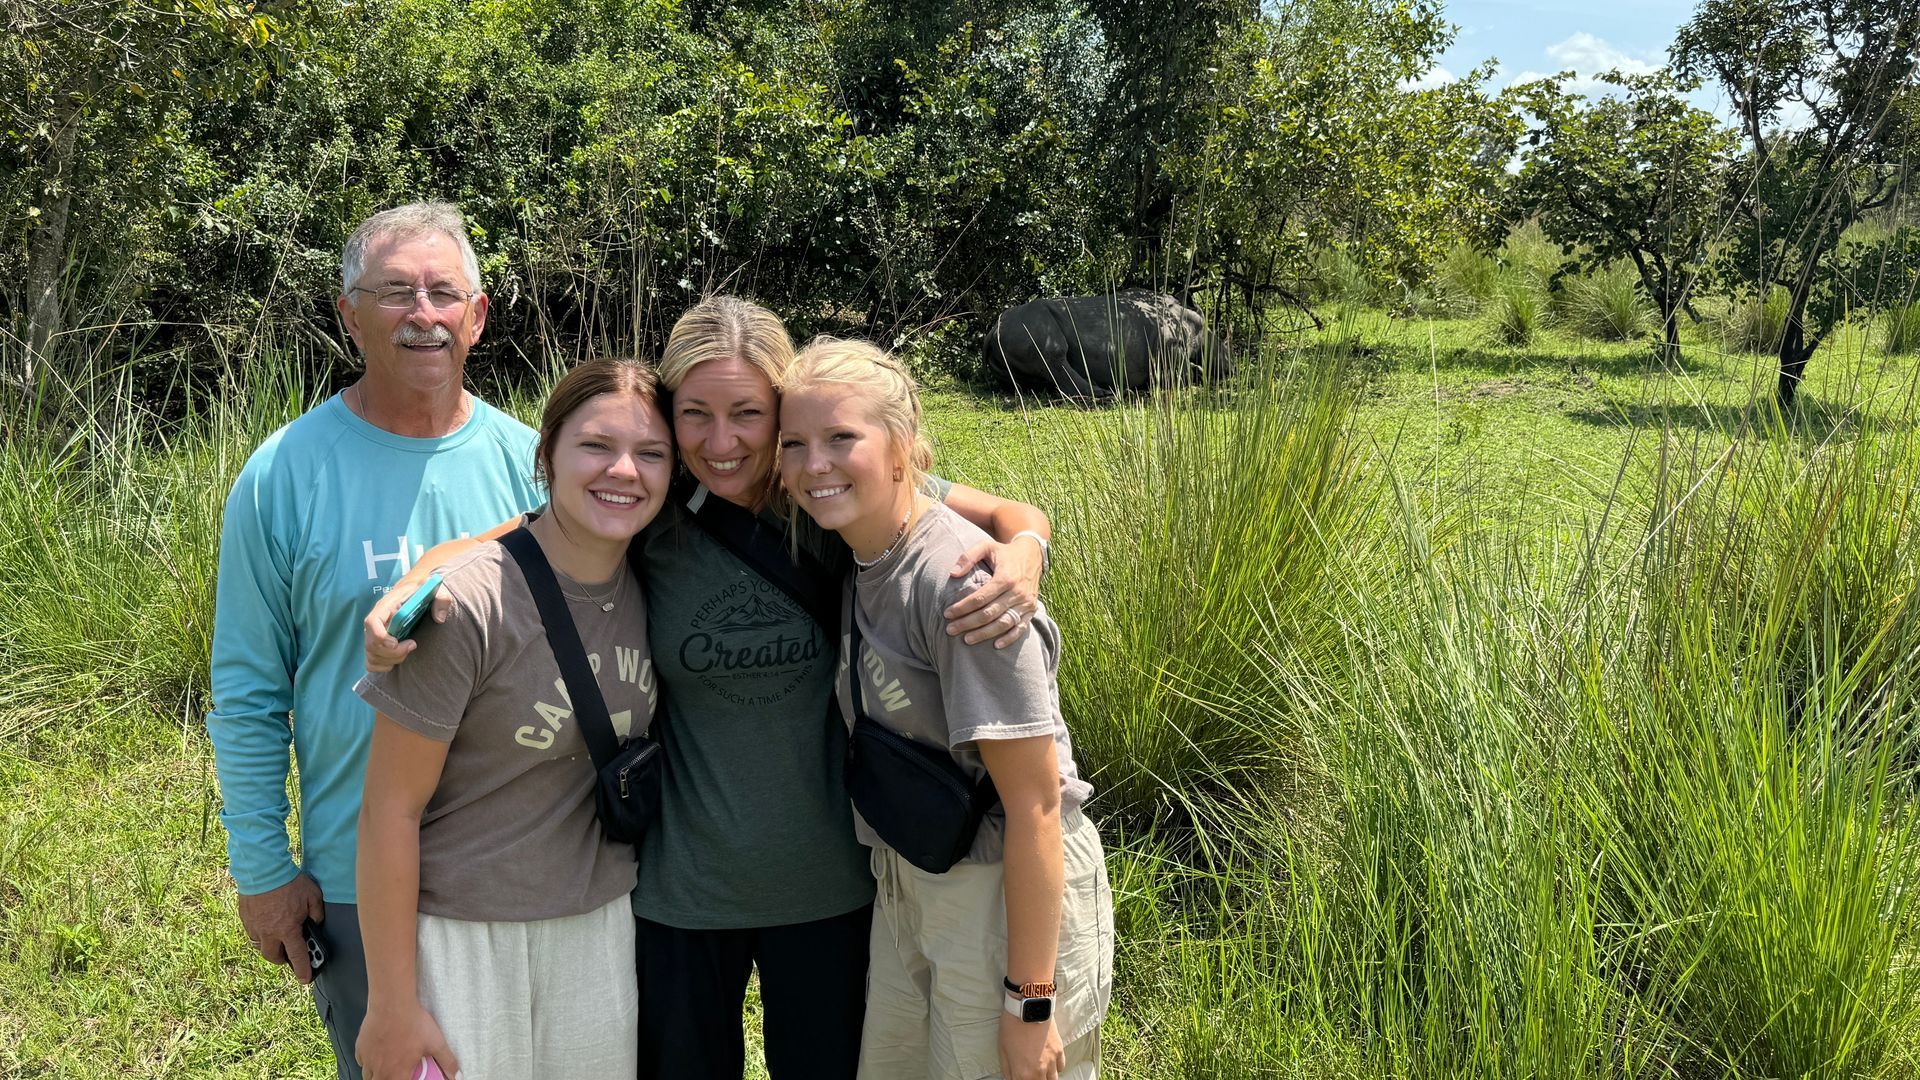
x=400 y=297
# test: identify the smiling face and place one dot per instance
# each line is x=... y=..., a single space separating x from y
x=608 y=468
x=724 y=416
x=421 y=349
x=839 y=464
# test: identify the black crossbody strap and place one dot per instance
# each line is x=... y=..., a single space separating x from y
x=589 y=708
x=853 y=652
x=738 y=530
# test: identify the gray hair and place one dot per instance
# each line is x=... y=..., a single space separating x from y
x=406 y=222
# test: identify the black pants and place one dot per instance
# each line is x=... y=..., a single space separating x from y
x=813 y=993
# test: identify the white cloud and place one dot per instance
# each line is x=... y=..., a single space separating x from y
x=1589 y=55
x=1435 y=78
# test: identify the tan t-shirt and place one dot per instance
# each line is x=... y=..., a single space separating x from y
x=937 y=689
x=510 y=834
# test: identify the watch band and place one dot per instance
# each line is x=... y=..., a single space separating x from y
x=1046 y=550
x=1029 y=990
x=1031 y=1002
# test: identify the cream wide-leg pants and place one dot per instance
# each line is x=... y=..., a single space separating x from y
x=555 y=999
x=939 y=953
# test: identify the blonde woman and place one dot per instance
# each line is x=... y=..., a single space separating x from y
x=753 y=864
x=992 y=944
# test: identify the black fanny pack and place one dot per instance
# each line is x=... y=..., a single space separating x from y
x=920 y=801
x=627 y=775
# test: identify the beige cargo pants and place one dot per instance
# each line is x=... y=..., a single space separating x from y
x=934 y=995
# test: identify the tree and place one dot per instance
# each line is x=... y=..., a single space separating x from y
x=1848 y=67
x=106 y=76
x=1638 y=177
x=1165 y=55
x=1313 y=138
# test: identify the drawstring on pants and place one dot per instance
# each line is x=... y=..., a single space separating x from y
x=886 y=880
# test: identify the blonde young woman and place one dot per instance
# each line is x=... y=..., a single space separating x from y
x=1001 y=964
x=488 y=888
x=753 y=864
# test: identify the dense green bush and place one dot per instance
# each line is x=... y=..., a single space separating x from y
x=860 y=166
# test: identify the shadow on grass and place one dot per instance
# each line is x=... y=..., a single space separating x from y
x=1811 y=418
x=1631 y=360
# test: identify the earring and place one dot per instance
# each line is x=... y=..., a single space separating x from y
x=896 y=474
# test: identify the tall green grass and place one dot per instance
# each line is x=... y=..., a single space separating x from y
x=1336 y=277
x=1229 y=508
x=1753 y=323
x=1637 y=805
x=1394 y=787
x=1464 y=279
x=109 y=539
x=1528 y=252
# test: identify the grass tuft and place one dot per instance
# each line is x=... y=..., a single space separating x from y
x=1903 y=328
x=1606 y=305
x=1753 y=324
x=1517 y=312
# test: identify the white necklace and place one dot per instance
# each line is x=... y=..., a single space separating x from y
x=605 y=600
x=888 y=550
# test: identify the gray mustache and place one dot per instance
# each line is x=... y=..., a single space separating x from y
x=415 y=335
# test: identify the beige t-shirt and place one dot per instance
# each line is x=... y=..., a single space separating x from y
x=937 y=689
x=510 y=834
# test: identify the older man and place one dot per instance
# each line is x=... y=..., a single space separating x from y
x=327 y=513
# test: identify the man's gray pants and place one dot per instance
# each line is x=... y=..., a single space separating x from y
x=340 y=989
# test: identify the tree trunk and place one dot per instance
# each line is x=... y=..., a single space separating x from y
x=1794 y=354
x=47 y=249
x=1670 y=331
x=1795 y=349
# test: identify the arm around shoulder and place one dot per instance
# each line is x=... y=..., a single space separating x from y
x=1000 y=609
x=383 y=649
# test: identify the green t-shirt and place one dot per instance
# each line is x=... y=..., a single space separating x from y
x=754 y=827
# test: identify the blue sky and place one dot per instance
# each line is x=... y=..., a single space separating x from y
x=1531 y=38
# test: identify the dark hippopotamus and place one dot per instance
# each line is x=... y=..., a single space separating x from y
x=1099 y=346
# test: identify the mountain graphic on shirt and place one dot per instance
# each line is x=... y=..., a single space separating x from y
x=754 y=613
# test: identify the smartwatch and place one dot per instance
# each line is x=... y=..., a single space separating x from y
x=1031 y=1002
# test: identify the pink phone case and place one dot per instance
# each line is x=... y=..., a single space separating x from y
x=429 y=1070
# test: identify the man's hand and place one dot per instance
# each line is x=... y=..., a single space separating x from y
x=384 y=651
x=1030 y=1051
x=273 y=920
x=394 y=1041
x=1003 y=606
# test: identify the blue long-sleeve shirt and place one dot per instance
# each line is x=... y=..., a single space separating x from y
x=327 y=513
